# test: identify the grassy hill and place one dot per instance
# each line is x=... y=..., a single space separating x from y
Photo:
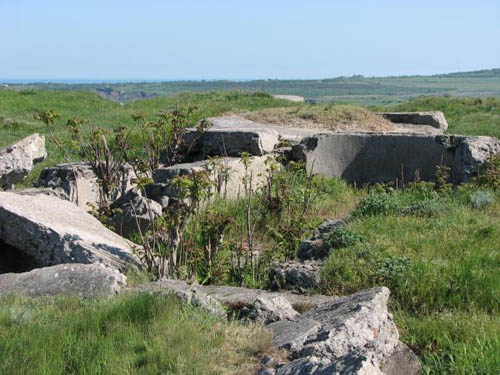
x=355 y=89
x=17 y=110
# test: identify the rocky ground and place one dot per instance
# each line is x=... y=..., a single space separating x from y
x=71 y=252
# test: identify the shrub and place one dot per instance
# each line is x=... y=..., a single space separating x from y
x=390 y=269
x=481 y=199
x=377 y=204
x=342 y=237
x=489 y=174
x=425 y=208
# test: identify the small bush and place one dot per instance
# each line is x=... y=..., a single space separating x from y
x=390 y=269
x=425 y=208
x=342 y=237
x=481 y=199
x=377 y=204
x=489 y=174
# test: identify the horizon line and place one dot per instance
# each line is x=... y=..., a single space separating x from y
x=161 y=80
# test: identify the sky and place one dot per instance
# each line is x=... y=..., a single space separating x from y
x=254 y=39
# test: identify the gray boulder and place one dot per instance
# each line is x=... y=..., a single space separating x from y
x=349 y=335
x=293 y=275
x=269 y=310
x=134 y=212
x=54 y=231
x=18 y=159
x=314 y=248
x=434 y=119
x=83 y=280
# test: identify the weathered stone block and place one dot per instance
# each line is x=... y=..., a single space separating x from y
x=54 y=231
x=18 y=159
x=83 y=280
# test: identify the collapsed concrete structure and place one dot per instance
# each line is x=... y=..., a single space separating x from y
x=372 y=158
x=351 y=335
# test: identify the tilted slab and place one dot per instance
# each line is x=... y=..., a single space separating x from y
x=371 y=158
x=349 y=335
x=77 y=183
x=54 y=231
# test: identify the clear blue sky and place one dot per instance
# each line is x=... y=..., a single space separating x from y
x=195 y=39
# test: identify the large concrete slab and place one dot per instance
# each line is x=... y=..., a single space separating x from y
x=54 y=231
x=371 y=158
x=231 y=136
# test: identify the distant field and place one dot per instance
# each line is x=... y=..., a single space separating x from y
x=355 y=89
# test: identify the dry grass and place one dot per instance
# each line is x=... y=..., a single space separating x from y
x=339 y=118
x=252 y=341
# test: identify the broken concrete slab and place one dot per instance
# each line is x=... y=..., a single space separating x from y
x=372 y=158
x=220 y=298
x=54 y=231
x=268 y=310
x=231 y=136
x=82 y=280
x=68 y=179
x=434 y=119
x=349 y=335
x=18 y=159
x=133 y=212
x=295 y=275
x=226 y=173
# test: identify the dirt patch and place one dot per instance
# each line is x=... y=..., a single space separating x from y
x=330 y=117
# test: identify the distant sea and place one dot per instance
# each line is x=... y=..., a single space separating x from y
x=111 y=80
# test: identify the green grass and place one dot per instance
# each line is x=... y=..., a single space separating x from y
x=453 y=342
x=468 y=116
x=442 y=265
x=17 y=109
x=129 y=334
x=437 y=253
